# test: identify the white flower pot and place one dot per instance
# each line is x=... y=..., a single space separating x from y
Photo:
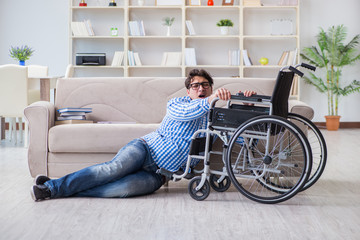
x=224 y=30
x=141 y=2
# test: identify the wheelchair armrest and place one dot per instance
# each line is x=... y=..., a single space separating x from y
x=253 y=98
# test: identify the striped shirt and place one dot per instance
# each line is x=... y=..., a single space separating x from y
x=170 y=144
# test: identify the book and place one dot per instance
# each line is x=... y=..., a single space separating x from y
x=71 y=109
x=283 y=58
x=89 y=27
x=137 y=59
x=290 y=58
x=171 y=59
x=246 y=58
x=234 y=57
x=136 y=28
x=118 y=59
x=65 y=114
x=80 y=117
x=190 y=27
x=83 y=28
x=72 y=122
x=190 y=57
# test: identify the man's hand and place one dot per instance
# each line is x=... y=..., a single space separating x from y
x=248 y=93
x=221 y=93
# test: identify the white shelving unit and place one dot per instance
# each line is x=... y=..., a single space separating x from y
x=251 y=31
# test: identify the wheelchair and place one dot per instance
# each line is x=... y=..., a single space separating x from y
x=268 y=154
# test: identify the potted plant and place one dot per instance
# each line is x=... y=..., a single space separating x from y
x=21 y=54
x=331 y=56
x=168 y=21
x=224 y=25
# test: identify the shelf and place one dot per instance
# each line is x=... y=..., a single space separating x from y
x=101 y=67
x=251 y=31
x=270 y=36
x=212 y=37
x=98 y=37
x=98 y=7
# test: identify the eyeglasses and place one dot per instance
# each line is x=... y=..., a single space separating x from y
x=195 y=86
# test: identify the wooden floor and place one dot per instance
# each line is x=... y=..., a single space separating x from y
x=328 y=210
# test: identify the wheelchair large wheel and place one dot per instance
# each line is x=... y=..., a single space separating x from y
x=268 y=159
x=317 y=144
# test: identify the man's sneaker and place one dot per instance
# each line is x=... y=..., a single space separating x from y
x=41 y=179
x=40 y=192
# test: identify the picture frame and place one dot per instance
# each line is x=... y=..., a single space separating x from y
x=195 y=2
x=228 y=2
x=169 y=2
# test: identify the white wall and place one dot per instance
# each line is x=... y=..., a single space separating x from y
x=43 y=25
x=40 y=24
x=326 y=13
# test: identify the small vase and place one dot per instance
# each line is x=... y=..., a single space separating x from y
x=224 y=30
x=168 y=31
x=210 y=3
x=332 y=122
x=22 y=63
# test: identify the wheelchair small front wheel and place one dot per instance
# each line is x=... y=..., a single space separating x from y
x=219 y=186
x=200 y=194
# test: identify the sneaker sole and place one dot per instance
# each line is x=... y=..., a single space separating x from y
x=33 y=194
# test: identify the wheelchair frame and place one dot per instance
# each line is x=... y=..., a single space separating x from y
x=266 y=156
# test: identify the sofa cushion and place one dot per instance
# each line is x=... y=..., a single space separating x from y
x=95 y=138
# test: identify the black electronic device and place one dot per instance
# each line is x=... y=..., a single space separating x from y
x=91 y=59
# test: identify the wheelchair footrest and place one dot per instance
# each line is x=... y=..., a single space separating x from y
x=169 y=175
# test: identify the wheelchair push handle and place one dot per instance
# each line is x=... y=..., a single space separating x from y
x=305 y=65
x=294 y=70
x=308 y=66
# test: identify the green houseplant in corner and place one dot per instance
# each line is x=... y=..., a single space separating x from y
x=331 y=55
x=224 y=25
x=21 y=54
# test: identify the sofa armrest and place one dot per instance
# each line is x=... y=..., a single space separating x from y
x=301 y=108
x=40 y=117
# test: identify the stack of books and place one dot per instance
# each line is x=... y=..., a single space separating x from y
x=190 y=57
x=234 y=57
x=171 y=59
x=118 y=59
x=136 y=28
x=73 y=115
x=288 y=58
x=134 y=59
x=83 y=28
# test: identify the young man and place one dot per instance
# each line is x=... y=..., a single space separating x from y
x=132 y=172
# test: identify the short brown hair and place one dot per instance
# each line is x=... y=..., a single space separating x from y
x=198 y=72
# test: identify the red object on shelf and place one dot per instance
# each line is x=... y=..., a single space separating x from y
x=82 y=3
x=210 y=3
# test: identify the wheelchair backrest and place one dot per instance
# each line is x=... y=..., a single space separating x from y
x=281 y=93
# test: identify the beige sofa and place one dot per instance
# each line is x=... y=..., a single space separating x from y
x=58 y=150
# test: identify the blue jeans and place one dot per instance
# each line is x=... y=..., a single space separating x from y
x=132 y=172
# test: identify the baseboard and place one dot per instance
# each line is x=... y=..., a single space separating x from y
x=342 y=124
